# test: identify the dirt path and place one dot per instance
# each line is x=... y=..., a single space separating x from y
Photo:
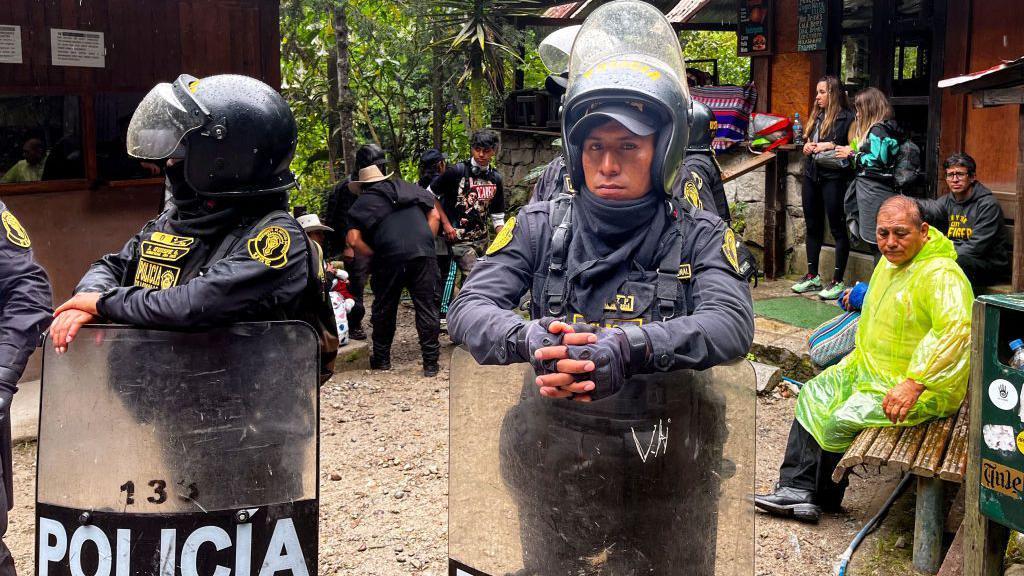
x=384 y=484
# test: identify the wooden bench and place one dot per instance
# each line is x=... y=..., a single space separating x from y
x=935 y=452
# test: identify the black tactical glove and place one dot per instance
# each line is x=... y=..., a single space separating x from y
x=618 y=354
x=533 y=336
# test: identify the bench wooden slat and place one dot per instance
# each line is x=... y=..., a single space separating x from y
x=929 y=459
x=907 y=448
x=855 y=453
x=883 y=446
x=954 y=465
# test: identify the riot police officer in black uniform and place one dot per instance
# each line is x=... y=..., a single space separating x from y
x=700 y=180
x=661 y=284
x=227 y=250
x=25 y=304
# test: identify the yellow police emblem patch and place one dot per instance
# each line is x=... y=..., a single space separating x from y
x=691 y=195
x=503 y=237
x=15 y=231
x=271 y=246
x=729 y=249
x=697 y=179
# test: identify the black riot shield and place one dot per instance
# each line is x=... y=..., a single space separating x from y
x=165 y=453
x=655 y=480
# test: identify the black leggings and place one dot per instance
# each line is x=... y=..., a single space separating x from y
x=821 y=198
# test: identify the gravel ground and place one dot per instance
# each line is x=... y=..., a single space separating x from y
x=384 y=483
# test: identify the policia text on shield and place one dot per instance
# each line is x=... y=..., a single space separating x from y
x=630 y=292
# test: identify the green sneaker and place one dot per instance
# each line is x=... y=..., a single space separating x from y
x=832 y=291
x=808 y=284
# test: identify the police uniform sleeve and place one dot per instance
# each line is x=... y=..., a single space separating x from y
x=25 y=300
x=721 y=327
x=265 y=271
x=483 y=317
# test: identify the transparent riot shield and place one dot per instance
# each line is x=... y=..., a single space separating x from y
x=656 y=479
x=164 y=453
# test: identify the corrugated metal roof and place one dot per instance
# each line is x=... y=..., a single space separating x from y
x=562 y=10
x=685 y=9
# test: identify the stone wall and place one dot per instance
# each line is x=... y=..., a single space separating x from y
x=520 y=153
x=748 y=191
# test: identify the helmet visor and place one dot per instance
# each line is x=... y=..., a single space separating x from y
x=162 y=120
x=627 y=35
x=554 y=49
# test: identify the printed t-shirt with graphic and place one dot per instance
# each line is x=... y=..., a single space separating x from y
x=468 y=193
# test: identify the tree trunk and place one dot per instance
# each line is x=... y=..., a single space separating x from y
x=477 y=95
x=436 y=91
x=334 y=150
x=346 y=100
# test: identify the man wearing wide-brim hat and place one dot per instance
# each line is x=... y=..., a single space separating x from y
x=395 y=222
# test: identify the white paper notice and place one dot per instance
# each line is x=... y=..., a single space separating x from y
x=77 y=48
x=10 y=44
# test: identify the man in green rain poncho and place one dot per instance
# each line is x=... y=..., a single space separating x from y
x=911 y=362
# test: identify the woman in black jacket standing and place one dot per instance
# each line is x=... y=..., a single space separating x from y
x=824 y=185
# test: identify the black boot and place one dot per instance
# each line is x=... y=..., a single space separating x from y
x=380 y=363
x=356 y=333
x=790 y=502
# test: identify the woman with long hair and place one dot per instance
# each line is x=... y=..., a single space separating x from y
x=824 y=183
x=874 y=146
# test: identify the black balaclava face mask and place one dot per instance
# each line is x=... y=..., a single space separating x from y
x=610 y=238
x=194 y=215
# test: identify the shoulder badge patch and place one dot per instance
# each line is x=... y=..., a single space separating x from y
x=690 y=192
x=503 y=237
x=271 y=246
x=15 y=231
x=697 y=179
x=729 y=249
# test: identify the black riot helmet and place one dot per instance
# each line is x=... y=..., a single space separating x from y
x=627 y=54
x=236 y=134
x=702 y=129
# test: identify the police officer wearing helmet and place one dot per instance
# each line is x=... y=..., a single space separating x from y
x=24 y=315
x=700 y=180
x=554 y=52
x=226 y=250
x=659 y=281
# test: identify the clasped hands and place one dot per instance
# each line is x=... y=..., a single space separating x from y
x=578 y=361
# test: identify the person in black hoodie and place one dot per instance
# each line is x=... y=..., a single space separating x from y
x=824 y=186
x=394 y=223
x=971 y=217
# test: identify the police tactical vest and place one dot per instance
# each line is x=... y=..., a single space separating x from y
x=643 y=297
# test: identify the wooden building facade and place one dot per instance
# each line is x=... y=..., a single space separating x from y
x=904 y=47
x=90 y=196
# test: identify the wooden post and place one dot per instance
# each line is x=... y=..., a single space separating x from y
x=928 y=525
x=1018 y=216
x=775 y=214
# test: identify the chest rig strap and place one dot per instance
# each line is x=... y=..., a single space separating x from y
x=668 y=268
x=556 y=283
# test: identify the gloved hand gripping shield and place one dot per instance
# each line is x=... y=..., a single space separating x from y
x=188 y=453
x=654 y=479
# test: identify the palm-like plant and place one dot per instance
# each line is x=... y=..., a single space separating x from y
x=480 y=31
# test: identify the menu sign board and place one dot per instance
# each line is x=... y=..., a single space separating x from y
x=812 y=25
x=754 y=30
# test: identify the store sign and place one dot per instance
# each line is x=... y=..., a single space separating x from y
x=77 y=48
x=754 y=29
x=10 y=44
x=812 y=25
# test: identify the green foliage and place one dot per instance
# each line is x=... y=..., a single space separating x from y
x=390 y=59
x=738 y=212
x=732 y=69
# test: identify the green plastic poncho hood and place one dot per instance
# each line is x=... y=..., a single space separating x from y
x=916 y=323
